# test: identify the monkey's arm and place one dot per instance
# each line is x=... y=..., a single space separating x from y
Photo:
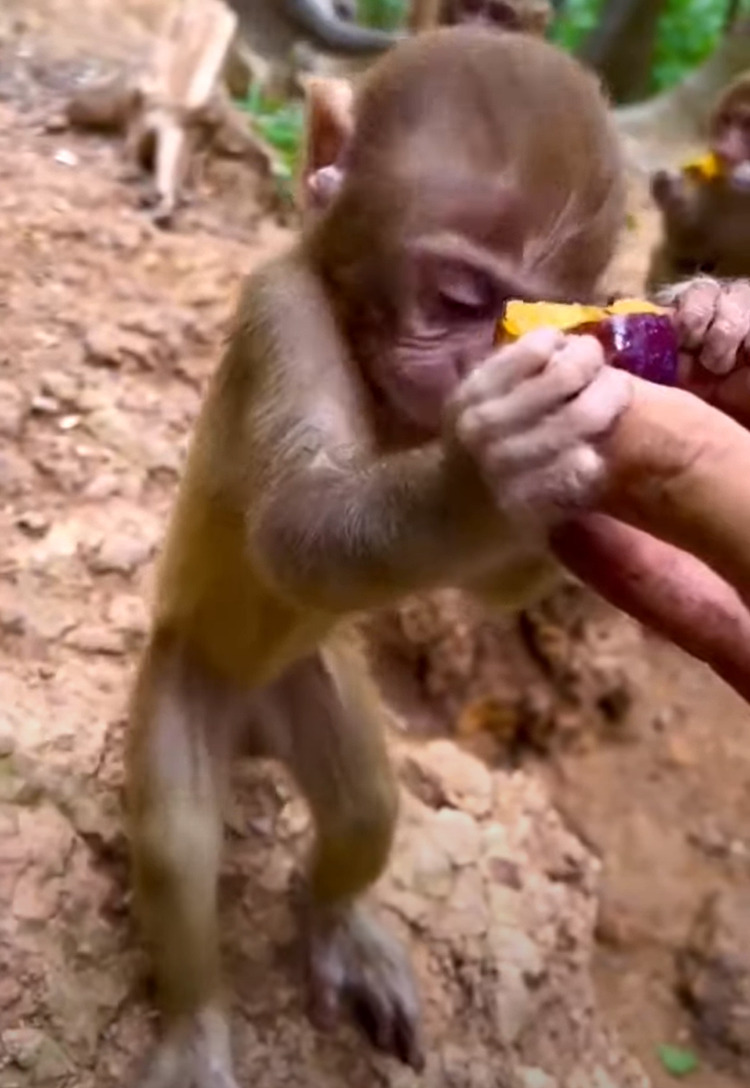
x=354 y=538
x=333 y=523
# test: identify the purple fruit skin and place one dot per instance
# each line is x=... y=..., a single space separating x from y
x=642 y=344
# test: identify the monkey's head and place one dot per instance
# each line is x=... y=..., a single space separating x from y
x=529 y=16
x=472 y=167
x=729 y=127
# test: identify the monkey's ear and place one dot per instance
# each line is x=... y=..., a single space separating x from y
x=328 y=129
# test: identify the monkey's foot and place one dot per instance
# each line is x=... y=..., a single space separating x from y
x=193 y=1054
x=352 y=960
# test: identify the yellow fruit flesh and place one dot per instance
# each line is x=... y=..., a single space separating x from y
x=706 y=167
x=523 y=317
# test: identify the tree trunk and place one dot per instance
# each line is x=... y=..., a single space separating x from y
x=622 y=46
x=681 y=112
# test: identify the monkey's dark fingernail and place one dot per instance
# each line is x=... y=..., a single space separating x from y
x=375 y=1021
x=406 y=1045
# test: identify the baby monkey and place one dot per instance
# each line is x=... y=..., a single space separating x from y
x=362 y=440
x=706 y=222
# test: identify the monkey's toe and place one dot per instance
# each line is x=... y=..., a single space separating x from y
x=361 y=966
x=389 y=1027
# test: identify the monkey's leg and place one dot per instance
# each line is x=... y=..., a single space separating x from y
x=338 y=755
x=181 y=731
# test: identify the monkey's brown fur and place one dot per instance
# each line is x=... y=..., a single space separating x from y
x=706 y=224
x=342 y=460
x=526 y=16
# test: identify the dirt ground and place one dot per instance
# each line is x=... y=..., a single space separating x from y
x=108 y=330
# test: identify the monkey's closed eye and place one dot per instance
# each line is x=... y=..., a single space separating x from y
x=470 y=297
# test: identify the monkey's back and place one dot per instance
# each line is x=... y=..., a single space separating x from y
x=210 y=593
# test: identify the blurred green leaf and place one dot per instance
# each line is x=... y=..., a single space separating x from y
x=281 y=124
x=676 y=1061
x=689 y=31
x=384 y=14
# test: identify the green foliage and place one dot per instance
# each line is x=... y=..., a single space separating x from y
x=384 y=14
x=281 y=124
x=689 y=31
x=677 y=1061
x=578 y=19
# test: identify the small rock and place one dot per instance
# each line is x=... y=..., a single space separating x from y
x=33 y=523
x=10 y=991
x=13 y=410
x=66 y=157
x=57 y=123
x=714 y=971
x=103 y=486
x=42 y=405
x=96 y=639
x=111 y=346
x=454 y=777
x=679 y=753
x=17 y=476
x=536 y=1078
x=60 y=387
x=120 y=553
x=7 y=745
x=12 y=619
x=128 y=614
x=32 y=1050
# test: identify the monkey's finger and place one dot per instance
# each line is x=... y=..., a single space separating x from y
x=407 y=1044
x=508 y=410
x=727 y=332
x=373 y=1014
x=569 y=371
x=694 y=312
x=509 y=366
x=571 y=482
x=588 y=416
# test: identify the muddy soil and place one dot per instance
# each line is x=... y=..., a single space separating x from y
x=108 y=331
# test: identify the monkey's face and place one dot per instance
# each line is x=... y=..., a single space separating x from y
x=531 y=16
x=452 y=295
x=476 y=168
x=491 y=13
x=731 y=138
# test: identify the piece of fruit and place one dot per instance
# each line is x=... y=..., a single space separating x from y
x=636 y=335
x=704 y=167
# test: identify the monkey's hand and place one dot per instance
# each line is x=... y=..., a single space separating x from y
x=668 y=188
x=530 y=416
x=713 y=326
x=352 y=960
